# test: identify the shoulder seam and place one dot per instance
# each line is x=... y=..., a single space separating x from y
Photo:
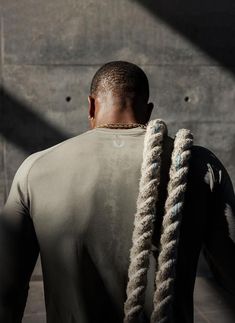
x=48 y=151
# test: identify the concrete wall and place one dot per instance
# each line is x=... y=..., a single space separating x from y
x=49 y=51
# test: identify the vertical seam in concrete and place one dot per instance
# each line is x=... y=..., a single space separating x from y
x=6 y=188
x=2 y=99
x=2 y=45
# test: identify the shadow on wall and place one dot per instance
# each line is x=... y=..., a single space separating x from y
x=210 y=25
x=25 y=128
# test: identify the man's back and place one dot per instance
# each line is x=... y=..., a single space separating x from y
x=81 y=196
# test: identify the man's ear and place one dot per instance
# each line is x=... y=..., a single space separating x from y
x=91 y=112
x=91 y=102
x=150 y=107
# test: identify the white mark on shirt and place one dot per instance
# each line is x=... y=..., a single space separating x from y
x=118 y=142
x=211 y=177
x=220 y=176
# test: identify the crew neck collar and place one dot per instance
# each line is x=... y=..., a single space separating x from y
x=120 y=130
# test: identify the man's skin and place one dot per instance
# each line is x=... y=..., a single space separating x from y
x=107 y=107
x=74 y=204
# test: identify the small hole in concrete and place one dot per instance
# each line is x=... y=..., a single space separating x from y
x=68 y=98
x=186 y=99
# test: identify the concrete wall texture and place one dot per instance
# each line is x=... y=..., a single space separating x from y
x=49 y=51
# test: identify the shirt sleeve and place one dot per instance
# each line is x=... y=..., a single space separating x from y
x=18 y=248
x=219 y=240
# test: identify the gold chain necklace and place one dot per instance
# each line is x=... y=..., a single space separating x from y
x=122 y=125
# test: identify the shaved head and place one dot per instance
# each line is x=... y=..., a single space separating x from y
x=119 y=93
x=122 y=79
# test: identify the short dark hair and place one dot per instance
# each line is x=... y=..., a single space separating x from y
x=122 y=78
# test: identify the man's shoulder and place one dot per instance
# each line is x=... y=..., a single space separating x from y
x=45 y=155
x=200 y=156
x=203 y=156
x=206 y=166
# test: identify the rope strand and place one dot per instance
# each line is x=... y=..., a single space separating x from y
x=143 y=222
x=165 y=275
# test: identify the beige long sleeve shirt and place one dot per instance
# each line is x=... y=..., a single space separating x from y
x=74 y=204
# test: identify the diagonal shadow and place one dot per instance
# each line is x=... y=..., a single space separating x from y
x=210 y=25
x=25 y=128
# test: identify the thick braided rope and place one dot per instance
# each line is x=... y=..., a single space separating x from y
x=171 y=227
x=143 y=221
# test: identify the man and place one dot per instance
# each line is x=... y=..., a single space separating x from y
x=74 y=203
